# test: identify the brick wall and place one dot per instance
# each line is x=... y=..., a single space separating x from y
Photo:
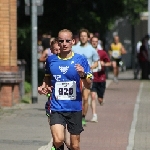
x=9 y=93
x=8 y=33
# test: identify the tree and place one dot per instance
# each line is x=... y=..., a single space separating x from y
x=132 y=9
x=95 y=15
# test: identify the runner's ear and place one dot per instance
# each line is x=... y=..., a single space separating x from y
x=73 y=41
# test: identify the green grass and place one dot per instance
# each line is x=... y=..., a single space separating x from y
x=26 y=98
x=27 y=87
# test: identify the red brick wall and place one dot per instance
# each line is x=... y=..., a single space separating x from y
x=16 y=94
x=9 y=93
x=6 y=95
x=8 y=33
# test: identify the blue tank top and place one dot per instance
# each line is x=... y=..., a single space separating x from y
x=66 y=94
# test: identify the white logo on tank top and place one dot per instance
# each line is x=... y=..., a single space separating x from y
x=63 y=69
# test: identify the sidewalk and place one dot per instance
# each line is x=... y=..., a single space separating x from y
x=24 y=127
x=124 y=121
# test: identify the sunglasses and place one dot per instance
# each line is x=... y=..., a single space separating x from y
x=62 y=41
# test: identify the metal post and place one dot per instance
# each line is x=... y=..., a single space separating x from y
x=133 y=46
x=148 y=16
x=34 y=51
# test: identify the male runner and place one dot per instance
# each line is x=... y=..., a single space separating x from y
x=99 y=81
x=55 y=49
x=89 y=52
x=62 y=80
x=116 y=51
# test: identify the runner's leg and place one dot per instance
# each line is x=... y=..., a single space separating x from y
x=93 y=106
x=57 y=126
x=115 y=71
x=75 y=140
x=57 y=131
x=67 y=138
x=85 y=93
x=74 y=125
x=101 y=92
x=93 y=101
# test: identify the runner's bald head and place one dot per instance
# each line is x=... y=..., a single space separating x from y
x=65 y=31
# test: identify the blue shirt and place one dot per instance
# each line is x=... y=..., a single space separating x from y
x=64 y=71
x=88 y=51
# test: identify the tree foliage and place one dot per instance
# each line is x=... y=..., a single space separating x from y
x=95 y=15
x=132 y=8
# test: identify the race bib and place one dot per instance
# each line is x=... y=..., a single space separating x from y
x=98 y=69
x=116 y=54
x=65 y=90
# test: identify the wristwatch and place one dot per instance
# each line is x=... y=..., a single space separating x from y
x=84 y=76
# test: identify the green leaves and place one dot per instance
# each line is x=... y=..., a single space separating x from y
x=96 y=15
x=132 y=8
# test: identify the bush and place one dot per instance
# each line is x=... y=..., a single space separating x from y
x=26 y=99
x=27 y=87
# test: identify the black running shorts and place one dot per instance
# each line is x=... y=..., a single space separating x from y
x=73 y=120
x=116 y=60
x=99 y=88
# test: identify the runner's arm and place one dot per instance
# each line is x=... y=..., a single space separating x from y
x=95 y=65
x=105 y=64
x=95 y=58
x=86 y=76
x=110 y=51
x=87 y=81
x=123 y=50
x=106 y=60
x=47 y=77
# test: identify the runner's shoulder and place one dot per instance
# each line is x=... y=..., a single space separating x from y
x=50 y=58
x=76 y=55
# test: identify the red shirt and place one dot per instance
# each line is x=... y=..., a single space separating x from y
x=143 y=55
x=101 y=76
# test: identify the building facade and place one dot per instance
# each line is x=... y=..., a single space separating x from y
x=9 y=91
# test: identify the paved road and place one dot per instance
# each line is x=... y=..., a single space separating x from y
x=124 y=121
x=25 y=127
x=115 y=117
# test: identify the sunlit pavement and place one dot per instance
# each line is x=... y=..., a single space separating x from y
x=123 y=120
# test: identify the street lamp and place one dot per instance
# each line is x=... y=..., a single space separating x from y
x=37 y=3
x=34 y=4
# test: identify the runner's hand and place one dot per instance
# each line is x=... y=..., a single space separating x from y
x=44 y=90
x=80 y=69
x=102 y=63
x=40 y=90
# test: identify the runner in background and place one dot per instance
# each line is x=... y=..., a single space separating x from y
x=86 y=49
x=100 y=47
x=99 y=81
x=116 y=51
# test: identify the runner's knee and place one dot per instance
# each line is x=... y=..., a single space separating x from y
x=93 y=96
x=57 y=141
x=85 y=100
x=75 y=146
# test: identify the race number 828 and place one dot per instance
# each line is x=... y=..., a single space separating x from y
x=65 y=91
